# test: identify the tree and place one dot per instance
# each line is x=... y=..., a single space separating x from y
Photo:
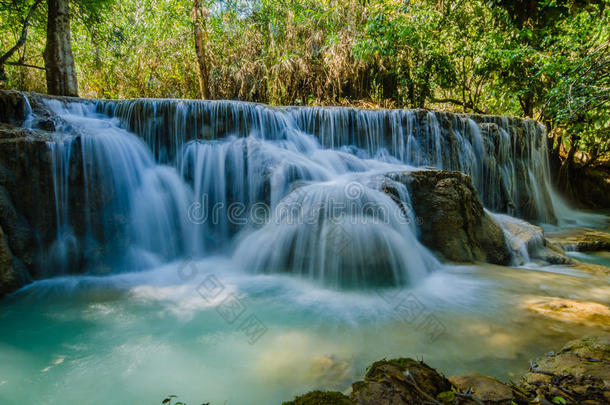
x=59 y=62
x=199 y=16
x=23 y=36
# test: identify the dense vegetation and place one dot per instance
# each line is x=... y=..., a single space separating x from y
x=546 y=59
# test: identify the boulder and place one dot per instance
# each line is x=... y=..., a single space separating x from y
x=13 y=107
x=487 y=389
x=578 y=374
x=400 y=381
x=528 y=241
x=452 y=219
x=321 y=398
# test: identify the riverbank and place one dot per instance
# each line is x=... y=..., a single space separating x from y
x=579 y=373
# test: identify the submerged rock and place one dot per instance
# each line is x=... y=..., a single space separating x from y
x=581 y=239
x=567 y=310
x=527 y=241
x=452 y=219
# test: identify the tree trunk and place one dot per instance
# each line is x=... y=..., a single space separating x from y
x=58 y=60
x=199 y=16
x=527 y=105
x=567 y=170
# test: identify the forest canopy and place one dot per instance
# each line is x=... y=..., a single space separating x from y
x=547 y=60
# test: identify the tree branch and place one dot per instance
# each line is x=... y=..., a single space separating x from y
x=23 y=37
x=24 y=65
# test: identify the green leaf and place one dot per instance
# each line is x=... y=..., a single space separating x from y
x=446 y=397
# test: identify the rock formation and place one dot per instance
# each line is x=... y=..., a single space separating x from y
x=452 y=219
x=578 y=374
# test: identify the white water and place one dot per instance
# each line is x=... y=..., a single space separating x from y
x=288 y=195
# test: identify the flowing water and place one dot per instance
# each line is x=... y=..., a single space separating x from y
x=252 y=255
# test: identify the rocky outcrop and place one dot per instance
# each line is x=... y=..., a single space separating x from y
x=587 y=185
x=321 y=398
x=399 y=381
x=581 y=239
x=28 y=211
x=578 y=374
x=527 y=242
x=25 y=182
x=452 y=219
x=13 y=273
x=487 y=389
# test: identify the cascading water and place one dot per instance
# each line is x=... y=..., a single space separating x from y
x=278 y=189
x=339 y=231
x=133 y=206
x=230 y=165
x=506 y=158
x=66 y=242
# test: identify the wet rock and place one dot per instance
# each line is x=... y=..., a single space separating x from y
x=27 y=194
x=321 y=398
x=524 y=196
x=12 y=107
x=572 y=311
x=578 y=374
x=592 y=268
x=581 y=239
x=486 y=389
x=22 y=240
x=452 y=219
x=12 y=274
x=527 y=241
x=399 y=381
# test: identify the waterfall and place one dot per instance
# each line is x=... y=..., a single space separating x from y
x=341 y=232
x=280 y=190
x=66 y=242
x=506 y=157
x=133 y=207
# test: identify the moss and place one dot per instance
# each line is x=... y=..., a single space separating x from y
x=401 y=363
x=321 y=398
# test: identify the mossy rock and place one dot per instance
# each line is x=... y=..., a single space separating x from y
x=321 y=398
x=399 y=381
